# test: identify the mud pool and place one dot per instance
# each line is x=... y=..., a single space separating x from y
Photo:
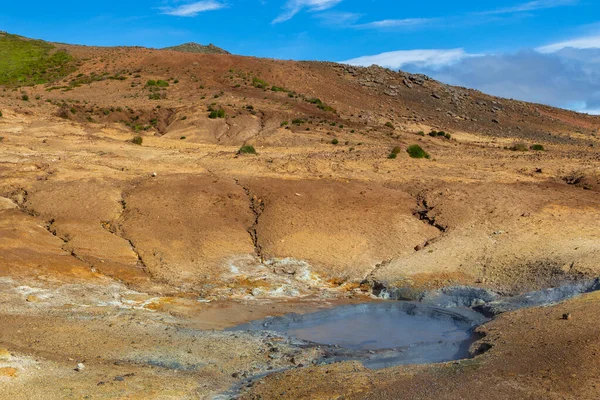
x=382 y=334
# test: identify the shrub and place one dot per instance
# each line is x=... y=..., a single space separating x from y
x=151 y=82
x=154 y=96
x=297 y=121
x=537 y=147
x=421 y=133
x=433 y=133
x=220 y=113
x=441 y=133
x=247 y=149
x=137 y=140
x=25 y=97
x=392 y=156
x=182 y=138
x=415 y=151
x=448 y=136
x=259 y=83
x=519 y=147
x=283 y=123
x=389 y=125
x=335 y=141
x=396 y=150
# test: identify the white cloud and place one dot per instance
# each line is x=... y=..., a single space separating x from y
x=293 y=7
x=396 y=23
x=434 y=58
x=193 y=9
x=531 y=6
x=587 y=42
x=339 y=19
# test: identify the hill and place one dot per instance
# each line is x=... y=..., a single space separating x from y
x=136 y=219
x=198 y=48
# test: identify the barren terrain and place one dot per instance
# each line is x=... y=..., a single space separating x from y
x=131 y=259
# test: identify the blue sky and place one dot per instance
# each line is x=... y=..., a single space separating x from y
x=538 y=50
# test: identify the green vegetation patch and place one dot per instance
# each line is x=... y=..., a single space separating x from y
x=536 y=147
x=415 y=151
x=214 y=114
x=247 y=150
x=25 y=62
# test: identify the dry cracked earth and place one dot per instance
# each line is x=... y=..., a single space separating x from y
x=122 y=264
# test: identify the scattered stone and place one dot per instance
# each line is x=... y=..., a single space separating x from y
x=32 y=299
x=567 y=316
x=435 y=96
x=80 y=367
x=154 y=174
x=119 y=378
x=494 y=120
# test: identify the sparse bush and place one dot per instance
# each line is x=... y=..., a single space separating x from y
x=537 y=147
x=519 y=147
x=421 y=133
x=441 y=133
x=220 y=113
x=335 y=141
x=154 y=96
x=298 y=121
x=389 y=125
x=392 y=156
x=283 y=123
x=415 y=151
x=182 y=138
x=24 y=97
x=137 y=140
x=259 y=83
x=396 y=150
x=247 y=149
x=433 y=134
x=448 y=136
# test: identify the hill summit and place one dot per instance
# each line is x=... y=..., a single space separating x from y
x=198 y=48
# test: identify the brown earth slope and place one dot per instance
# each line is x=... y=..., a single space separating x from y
x=184 y=233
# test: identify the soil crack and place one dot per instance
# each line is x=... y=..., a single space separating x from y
x=424 y=213
x=369 y=277
x=257 y=206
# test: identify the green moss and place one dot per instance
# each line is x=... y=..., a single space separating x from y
x=27 y=62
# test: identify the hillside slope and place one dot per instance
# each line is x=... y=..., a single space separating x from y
x=198 y=48
x=131 y=221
